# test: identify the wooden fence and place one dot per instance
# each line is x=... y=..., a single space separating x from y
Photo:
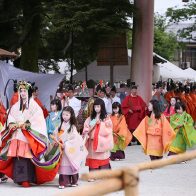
x=126 y=178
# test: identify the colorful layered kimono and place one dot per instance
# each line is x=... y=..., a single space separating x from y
x=121 y=133
x=155 y=135
x=74 y=152
x=185 y=135
x=99 y=142
x=28 y=143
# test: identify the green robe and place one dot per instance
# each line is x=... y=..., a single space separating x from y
x=185 y=136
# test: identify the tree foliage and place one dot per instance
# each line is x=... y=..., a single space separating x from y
x=59 y=29
x=184 y=14
x=165 y=44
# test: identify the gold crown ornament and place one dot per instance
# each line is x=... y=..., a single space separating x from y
x=23 y=85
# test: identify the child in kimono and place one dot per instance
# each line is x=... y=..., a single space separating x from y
x=170 y=110
x=54 y=119
x=182 y=124
x=73 y=149
x=122 y=135
x=99 y=134
x=154 y=132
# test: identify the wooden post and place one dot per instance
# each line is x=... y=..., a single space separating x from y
x=131 y=180
x=142 y=53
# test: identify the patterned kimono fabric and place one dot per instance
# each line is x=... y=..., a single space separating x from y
x=99 y=144
x=185 y=135
x=73 y=154
x=155 y=136
x=122 y=137
x=22 y=148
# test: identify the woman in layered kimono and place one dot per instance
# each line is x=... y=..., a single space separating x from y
x=24 y=141
x=99 y=134
x=53 y=121
x=182 y=124
x=170 y=110
x=122 y=135
x=154 y=132
x=73 y=149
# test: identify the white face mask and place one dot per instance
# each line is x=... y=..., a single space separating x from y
x=116 y=110
x=97 y=108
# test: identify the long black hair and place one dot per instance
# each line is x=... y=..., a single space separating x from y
x=156 y=109
x=103 y=113
x=72 y=120
x=30 y=92
x=180 y=105
x=116 y=105
x=56 y=102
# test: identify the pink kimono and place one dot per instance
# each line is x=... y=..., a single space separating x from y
x=169 y=113
x=73 y=155
x=99 y=143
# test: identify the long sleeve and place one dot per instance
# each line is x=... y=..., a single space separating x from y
x=50 y=126
x=125 y=106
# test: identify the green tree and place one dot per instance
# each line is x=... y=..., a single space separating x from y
x=165 y=44
x=184 y=14
x=85 y=24
x=21 y=23
x=59 y=29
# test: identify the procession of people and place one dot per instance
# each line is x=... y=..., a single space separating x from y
x=37 y=144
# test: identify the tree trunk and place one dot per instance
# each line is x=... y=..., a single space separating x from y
x=32 y=24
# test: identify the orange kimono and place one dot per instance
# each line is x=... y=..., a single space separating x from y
x=122 y=135
x=193 y=97
x=169 y=95
x=155 y=135
x=183 y=98
x=190 y=104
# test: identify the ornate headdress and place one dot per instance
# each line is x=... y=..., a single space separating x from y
x=23 y=85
